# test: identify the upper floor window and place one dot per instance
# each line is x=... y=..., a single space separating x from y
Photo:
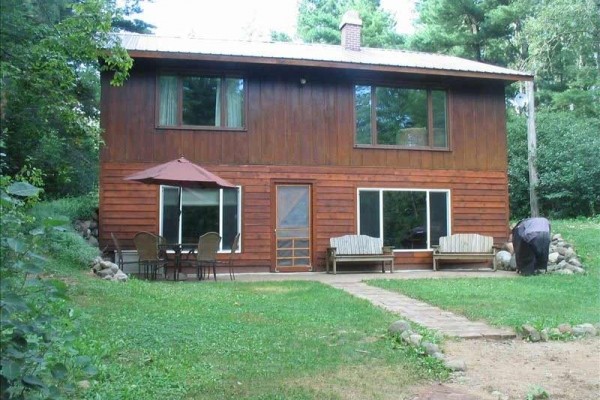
x=206 y=101
x=404 y=117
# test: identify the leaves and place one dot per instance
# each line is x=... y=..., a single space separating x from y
x=23 y=189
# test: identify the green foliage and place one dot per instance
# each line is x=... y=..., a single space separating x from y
x=50 y=88
x=38 y=359
x=567 y=162
x=81 y=207
x=319 y=21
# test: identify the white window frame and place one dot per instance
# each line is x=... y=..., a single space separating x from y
x=427 y=191
x=239 y=211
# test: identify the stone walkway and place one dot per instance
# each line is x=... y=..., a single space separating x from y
x=424 y=314
x=419 y=312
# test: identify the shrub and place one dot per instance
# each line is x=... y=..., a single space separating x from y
x=567 y=162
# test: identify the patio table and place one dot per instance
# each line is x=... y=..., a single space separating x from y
x=178 y=250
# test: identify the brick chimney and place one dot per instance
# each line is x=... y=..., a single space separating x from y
x=350 y=28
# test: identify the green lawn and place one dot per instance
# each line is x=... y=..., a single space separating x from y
x=288 y=340
x=544 y=301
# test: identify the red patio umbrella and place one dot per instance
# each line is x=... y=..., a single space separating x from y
x=181 y=173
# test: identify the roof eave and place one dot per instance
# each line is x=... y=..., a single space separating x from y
x=146 y=54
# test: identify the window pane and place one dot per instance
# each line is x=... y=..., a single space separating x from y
x=362 y=98
x=401 y=116
x=440 y=137
x=200 y=101
x=438 y=215
x=235 y=103
x=167 y=113
x=230 y=217
x=369 y=213
x=199 y=213
x=405 y=219
x=170 y=214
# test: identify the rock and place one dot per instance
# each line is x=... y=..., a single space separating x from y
x=455 y=365
x=562 y=264
x=529 y=332
x=92 y=241
x=569 y=253
x=508 y=246
x=503 y=260
x=85 y=384
x=544 y=335
x=554 y=332
x=553 y=258
x=114 y=268
x=104 y=264
x=405 y=336
x=577 y=270
x=438 y=355
x=108 y=277
x=105 y=272
x=121 y=276
x=557 y=236
x=513 y=263
x=578 y=331
x=574 y=261
x=93 y=225
x=430 y=348
x=399 y=326
x=553 y=267
x=588 y=328
x=565 y=328
x=415 y=339
x=561 y=250
x=563 y=272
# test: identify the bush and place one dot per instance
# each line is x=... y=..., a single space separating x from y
x=568 y=165
x=82 y=207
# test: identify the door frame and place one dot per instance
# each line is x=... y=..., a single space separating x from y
x=273 y=226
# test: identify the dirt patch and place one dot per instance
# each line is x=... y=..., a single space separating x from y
x=565 y=370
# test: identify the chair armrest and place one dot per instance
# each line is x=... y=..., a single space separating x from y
x=387 y=250
x=331 y=251
x=436 y=248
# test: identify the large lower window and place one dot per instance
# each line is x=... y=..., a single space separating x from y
x=201 y=211
x=404 y=219
x=405 y=117
x=201 y=101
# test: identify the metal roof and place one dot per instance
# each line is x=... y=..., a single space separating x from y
x=194 y=48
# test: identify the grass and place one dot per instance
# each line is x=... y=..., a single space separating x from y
x=544 y=301
x=275 y=340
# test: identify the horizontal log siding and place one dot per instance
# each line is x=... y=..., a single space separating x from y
x=291 y=124
x=478 y=198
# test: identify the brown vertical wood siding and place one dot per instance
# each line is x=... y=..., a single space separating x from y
x=304 y=133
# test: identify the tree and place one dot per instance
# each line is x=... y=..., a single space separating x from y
x=319 y=21
x=52 y=52
x=484 y=30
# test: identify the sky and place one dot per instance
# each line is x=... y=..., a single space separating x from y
x=242 y=19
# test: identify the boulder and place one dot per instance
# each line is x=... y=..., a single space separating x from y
x=120 y=276
x=399 y=326
x=430 y=348
x=503 y=260
x=438 y=355
x=575 y=261
x=544 y=335
x=553 y=258
x=569 y=253
x=405 y=336
x=589 y=329
x=415 y=339
x=554 y=332
x=92 y=241
x=565 y=328
x=563 y=272
x=103 y=273
x=557 y=236
x=455 y=365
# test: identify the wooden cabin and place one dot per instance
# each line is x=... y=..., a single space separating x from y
x=321 y=140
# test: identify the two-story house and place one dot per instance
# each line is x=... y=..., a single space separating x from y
x=321 y=140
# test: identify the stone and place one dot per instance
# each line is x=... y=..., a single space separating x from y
x=562 y=264
x=114 y=268
x=575 y=261
x=563 y=272
x=121 y=276
x=544 y=335
x=588 y=328
x=104 y=264
x=405 y=336
x=93 y=224
x=108 y=277
x=553 y=258
x=553 y=267
x=399 y=326
x=569 y=253
x=554 y=332
x=415 y=339
x=513 y=263
x=557 y=236
x=85 y=384
x=503 y=260
x=561 y=250
x=430 y=348
x=597 y=326
x=455 y=365
x=565 y=328
x=578 y=331
x=438 y=355
x=508 y=246
x=92 y=241
x=105 y=272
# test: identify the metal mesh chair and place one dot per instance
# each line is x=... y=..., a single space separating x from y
x=206 y=254
x=234 y=247
x=119 y=253
x=147 y=245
